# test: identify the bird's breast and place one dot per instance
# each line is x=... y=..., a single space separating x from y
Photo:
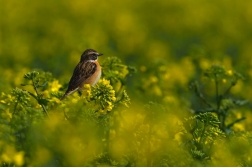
x=92 y=80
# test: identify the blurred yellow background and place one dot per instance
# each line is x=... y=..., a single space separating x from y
x=170 y=43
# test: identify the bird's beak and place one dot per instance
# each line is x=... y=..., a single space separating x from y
x=100 y=54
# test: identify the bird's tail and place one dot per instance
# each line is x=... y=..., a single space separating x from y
x=68 y=92
x=63 y=97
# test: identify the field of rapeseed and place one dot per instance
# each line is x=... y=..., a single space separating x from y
x=175 y=88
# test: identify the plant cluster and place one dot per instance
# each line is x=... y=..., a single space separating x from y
x=101 y=126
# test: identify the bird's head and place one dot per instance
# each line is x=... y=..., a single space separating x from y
x=90 y=54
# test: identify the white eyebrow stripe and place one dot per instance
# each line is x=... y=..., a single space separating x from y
x=93 y=53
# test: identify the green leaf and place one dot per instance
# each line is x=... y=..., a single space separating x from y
x=44 y=84
x=43 y=101
x=33 y=95
x=241 y=102
x=31 y=75
x=215 y=72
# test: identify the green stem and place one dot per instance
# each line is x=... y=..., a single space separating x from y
x=221 y=115
x=210 y=148
x=217 y=93
x=36 y=90
x=228 y=90
x=236 y=121
x=15 y=107
x=75 y=119
x=222 y=122
x=148 y=147
x=107 y=131
x=202 y=134
x=200 y=95
x=204 y=100
x=66 y=116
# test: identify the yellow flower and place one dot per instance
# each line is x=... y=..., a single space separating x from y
x=230 y=72
x=55 y=86
x=8 y=113
x=38 y=106
x=113 y=98
x=101 y=111
x=104 y=95
x=110 y=107
x=143 y=68
x=46 y=93
x=87 y=86
x=19 y=158
x=54 y=99
x=74 y=100
x=112 y=91
x=6 y=157
x=153 y=79
x=109 y=103
x=86 y=91
x=104 y=81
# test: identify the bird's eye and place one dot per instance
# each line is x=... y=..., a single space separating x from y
x=93 y=56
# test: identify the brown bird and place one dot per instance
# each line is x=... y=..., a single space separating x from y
x=87 y=71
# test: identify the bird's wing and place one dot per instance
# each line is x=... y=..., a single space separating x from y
x=81 y=72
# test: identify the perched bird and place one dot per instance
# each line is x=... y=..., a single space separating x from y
x=87 y=71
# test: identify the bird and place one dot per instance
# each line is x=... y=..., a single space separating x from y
x=87 y=71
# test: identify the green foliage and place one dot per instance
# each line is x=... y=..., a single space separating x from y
x=24 y=114
x=21 y=98
x=102 y=122
x=115 y=71
x=204 y=132
x=223 y=102
x=125 y=100
x=215 y=72
x=104 y=95
x=37 y=80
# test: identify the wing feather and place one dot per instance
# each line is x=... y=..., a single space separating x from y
x=81 y=72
